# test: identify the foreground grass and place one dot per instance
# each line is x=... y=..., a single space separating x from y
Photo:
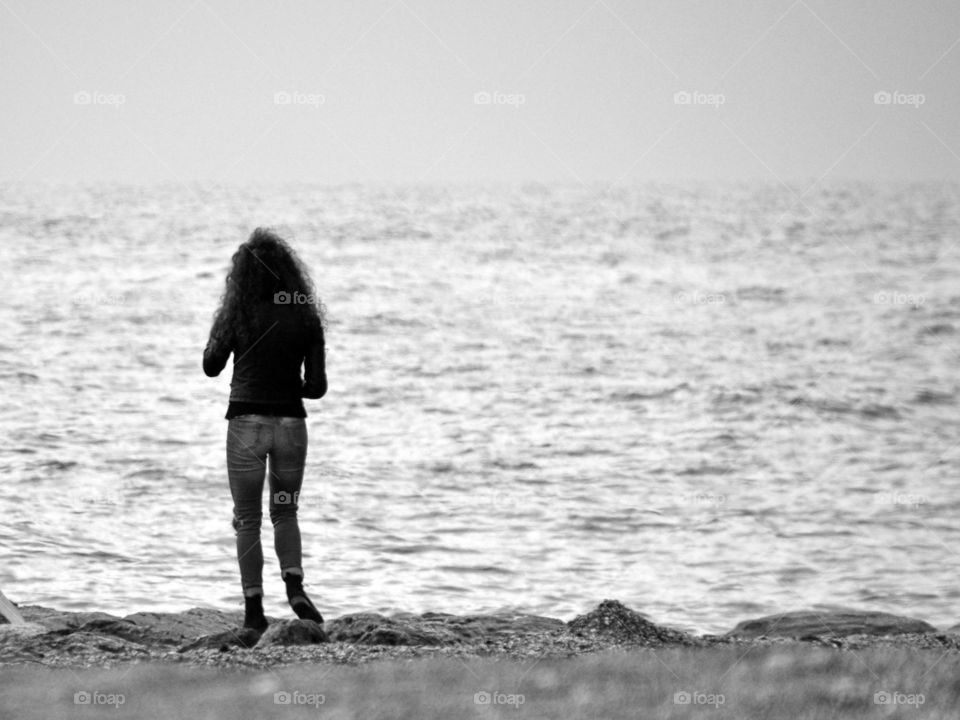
x=797 y=681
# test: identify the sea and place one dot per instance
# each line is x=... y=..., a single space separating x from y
x=710 y=401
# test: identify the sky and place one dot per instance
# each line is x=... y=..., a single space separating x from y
x=426 y=91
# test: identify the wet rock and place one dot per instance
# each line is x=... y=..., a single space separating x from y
x=613 y=620
x=834 y=623
x=293 y=632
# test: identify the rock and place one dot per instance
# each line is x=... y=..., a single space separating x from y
x=436 y=629
x=835 y=623
x=123 y=629
x=613 y=620
x=61 y=636
x=70 y=646
x=25 y=630
x=174 y=628
x=85 y=643
x=235 y=637
x=56 y=620
x=293 y=632
x=376 y=629
x=485 y=627
x=100 y=624
x=54 y=637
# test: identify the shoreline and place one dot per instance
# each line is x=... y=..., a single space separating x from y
x=204 y=636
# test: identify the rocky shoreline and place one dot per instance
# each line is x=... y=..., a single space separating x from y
x=205 y=636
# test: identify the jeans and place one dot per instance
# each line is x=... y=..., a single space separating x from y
x=251 y=440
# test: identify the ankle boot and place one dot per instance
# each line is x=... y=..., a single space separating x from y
x=299 y=601
x=253 y=616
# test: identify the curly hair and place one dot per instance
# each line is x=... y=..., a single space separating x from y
x=265 y=269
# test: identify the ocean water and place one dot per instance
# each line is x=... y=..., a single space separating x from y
x=710 y=402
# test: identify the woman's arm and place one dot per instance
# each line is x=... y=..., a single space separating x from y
x=215 y=354
x=315 y=369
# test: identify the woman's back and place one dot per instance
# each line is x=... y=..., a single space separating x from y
x=266 y=366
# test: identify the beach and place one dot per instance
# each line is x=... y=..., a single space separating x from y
x=611 y=662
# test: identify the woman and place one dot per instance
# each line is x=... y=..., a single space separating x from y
x=269 y=319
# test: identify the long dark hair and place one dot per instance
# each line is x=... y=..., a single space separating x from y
x=265 y=269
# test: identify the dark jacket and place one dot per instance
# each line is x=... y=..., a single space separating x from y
x=266 y=369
